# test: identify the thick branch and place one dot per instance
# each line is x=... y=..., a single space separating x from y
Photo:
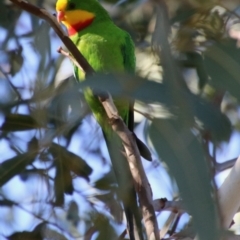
x=141 y=183
x=229 y=197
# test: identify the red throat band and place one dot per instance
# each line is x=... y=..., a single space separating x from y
x=79 y=26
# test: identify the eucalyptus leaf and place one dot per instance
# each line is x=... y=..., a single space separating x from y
x=8 y=15
x=222 y=62
x=25 y=235
x=105 y=229
x=130 y=86
x=112 y=204
x=62 y=183
x=16 y=60
x=212 y=119
x=14 y=166
x=188 y=106
x=106 y=182
x=19 y=122
x=6 y=203
x=71 y=161
x=179 y=148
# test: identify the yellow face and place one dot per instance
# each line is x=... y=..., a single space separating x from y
x=71 y=17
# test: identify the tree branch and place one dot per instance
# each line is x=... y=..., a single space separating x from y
x=163 y=204
x=229 y=197
x=44 y=14
x=225 y=165
x=141 y=183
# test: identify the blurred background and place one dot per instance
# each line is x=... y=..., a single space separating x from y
x=56 y=180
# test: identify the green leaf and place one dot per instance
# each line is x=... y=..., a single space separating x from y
x=180 y=149
x=105 y=229
x=197 y=62
x=36 y=234
x=33 y=145
x=16 y=60
x=73 y=213
x=62 y=182
x=8 y=15
x=6 y=203
x=130 y=86
x=106 y=182
x=41 y=43
x=222 y=62
x=66 y=162
x=15 y=165
x=25 y=235
x=212 y=119
x=183 y=14
x=113 y=205
x=70 y=160
x=19 y=122
x=186 y=104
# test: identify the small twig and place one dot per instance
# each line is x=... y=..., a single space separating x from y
x=37 y=216
x=89 y=233
x=123 y=234
x=225 y=165
x=228 y=10
x=163 y=204
x=146 y=115
x=167 y=225
x=68 y=55
x=175 y=224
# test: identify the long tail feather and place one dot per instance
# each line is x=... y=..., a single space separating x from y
x=126 y=187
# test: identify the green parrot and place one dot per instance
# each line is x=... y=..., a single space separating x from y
x=107 y=48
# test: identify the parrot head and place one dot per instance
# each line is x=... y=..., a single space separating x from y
x=78 y=14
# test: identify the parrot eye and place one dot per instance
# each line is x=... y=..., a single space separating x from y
x=71 y=6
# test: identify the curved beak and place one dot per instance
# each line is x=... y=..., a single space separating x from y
x=60 y=16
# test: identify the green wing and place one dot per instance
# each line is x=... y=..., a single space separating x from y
x=129 y=63
x=129 y=60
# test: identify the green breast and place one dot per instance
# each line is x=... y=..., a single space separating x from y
x=103 y=47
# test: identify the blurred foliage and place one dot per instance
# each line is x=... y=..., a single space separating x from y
x=48 y=139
